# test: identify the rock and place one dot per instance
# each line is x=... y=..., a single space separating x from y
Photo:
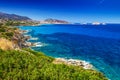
x=74 y=62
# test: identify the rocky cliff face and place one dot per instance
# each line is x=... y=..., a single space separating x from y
x=13 y=38
x=19 y=40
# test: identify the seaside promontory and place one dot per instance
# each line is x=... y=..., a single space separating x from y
x=18 y=62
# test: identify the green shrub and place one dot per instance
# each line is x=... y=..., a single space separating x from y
x=2 y=30
x=28 y=65
x=9 y=34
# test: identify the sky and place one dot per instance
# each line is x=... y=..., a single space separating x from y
x=71 y=10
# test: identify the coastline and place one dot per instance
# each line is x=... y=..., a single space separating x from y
x=73 y=62
x=23 y=42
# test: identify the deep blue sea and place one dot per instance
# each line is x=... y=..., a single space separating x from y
x=99 y=45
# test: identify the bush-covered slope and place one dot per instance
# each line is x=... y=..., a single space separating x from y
x=12 y=38
x=24 y=64
x=7 y=32
x=31 y=65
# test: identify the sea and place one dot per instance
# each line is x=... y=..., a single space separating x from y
x=96 y=44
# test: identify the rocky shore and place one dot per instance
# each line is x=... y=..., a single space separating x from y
x=73 y=62
x=22 y=40
x=19 y=40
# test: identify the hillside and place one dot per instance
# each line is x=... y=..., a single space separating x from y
x=16 y=20
x=12 y=37
x=5 y=16
x=18 y=62
x=53 y=21
x=30 y=65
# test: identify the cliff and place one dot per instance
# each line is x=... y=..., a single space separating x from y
x=12 y=38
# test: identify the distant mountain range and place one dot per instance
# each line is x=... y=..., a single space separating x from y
x=8 y=17
x=54 y=21
x=5 y=16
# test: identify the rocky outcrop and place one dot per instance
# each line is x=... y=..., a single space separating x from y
x=73 y=62
x=19 y=40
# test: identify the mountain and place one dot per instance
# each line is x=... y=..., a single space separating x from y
x=54 y=21
x=5 y=16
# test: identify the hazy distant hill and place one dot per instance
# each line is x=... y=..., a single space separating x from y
x=55 y=21
x=6 y=16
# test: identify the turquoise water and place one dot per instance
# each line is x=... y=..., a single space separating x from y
x=99 y=45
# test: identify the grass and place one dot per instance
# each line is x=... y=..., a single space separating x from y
x=6 y=44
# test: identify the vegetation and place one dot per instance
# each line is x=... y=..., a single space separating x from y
x=19 y=23
x=30 y=65
x=26 y=64
x=6 y=32
x=6 y=44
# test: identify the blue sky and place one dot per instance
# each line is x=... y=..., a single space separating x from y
x=71 y=10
